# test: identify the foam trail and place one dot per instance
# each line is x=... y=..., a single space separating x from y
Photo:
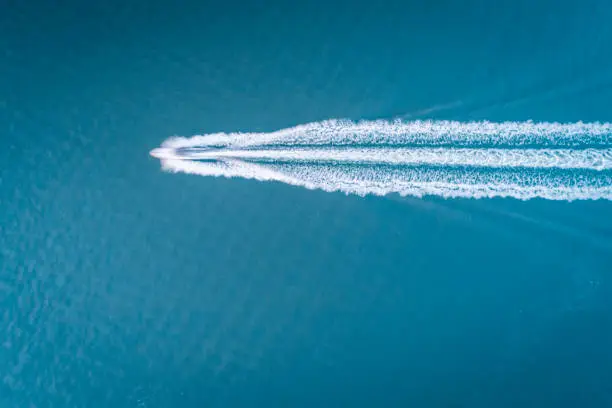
x=545 y=158
x=428 y=133
x=452 y=159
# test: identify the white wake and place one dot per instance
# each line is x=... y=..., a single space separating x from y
x=451 y=159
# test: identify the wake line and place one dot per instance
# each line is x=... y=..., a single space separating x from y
x=451 y=159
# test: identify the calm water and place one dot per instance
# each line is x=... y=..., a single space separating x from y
x=124 y=285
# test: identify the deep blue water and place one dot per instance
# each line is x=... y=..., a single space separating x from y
x=121 y=284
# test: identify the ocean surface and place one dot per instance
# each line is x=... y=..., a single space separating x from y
x=123 y=285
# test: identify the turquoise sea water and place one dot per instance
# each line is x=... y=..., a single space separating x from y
x=121 y=284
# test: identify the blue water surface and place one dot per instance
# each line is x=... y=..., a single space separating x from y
x=124 y=286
